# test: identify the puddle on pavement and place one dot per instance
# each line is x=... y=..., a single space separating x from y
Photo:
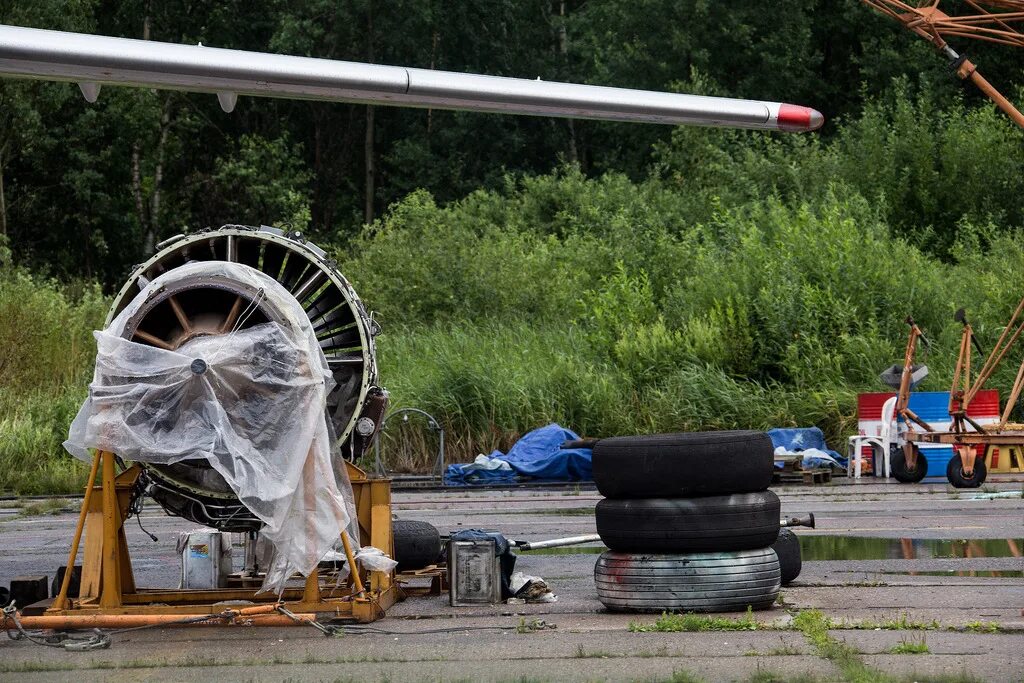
x=1005 y=573
x=862 y=548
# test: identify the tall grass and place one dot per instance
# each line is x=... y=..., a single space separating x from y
x=46 y=357
x=749 y=282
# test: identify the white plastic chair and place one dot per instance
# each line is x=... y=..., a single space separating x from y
x=884 y=441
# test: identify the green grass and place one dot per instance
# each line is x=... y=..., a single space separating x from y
x=982 y=627
x=910 y=647
x=683 y=676
x=673 y=623
x=901 y=623
x=815 y=626
x=961 y=676
x=46 y=359
x=781 y=651
x=50 y=506
x=600 y=303
x=767 y=676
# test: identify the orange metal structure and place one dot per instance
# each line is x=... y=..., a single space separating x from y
x=108 y=596
x=993 y=21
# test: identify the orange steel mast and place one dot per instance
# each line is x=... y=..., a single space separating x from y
x=994 y=21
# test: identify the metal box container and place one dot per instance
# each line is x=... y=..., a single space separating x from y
x=474 y=573
x=205 y=558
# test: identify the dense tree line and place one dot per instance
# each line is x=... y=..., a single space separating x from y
x=87 y=190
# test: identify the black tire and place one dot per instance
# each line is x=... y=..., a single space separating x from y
x=787 y=547
x=905 y=474
x=956 y=476
x=579 y=443
x=417 y=544
x=741 y=521
x=680 y=465
x=697 y=582
x=74 y=585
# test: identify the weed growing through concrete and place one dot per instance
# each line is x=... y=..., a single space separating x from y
x=672 y=623
x=683 y=676
x=784 y=650
x=901 y=623
x=775 y=677
x=815 y=625
x=960 y=677
x=582 y=653
x=533 y=625
x=913 y=646
x=980 y=627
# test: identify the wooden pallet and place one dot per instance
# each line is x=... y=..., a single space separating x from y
x=820 y=475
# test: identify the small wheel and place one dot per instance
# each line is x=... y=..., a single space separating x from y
x=956 y=476
x=787 y=547
x=905 y=474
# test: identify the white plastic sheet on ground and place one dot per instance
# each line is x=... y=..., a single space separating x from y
x=256 y=414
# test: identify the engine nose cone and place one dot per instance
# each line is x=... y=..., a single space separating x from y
x=198 y=366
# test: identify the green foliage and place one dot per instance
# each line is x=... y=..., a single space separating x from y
x=46 y=356
x=674 y=623
x=617 y=279
x=261 y=182
x=815 y=627
x=910 y=647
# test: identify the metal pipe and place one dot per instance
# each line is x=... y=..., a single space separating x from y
x=807 y=521
x=353 y=568
x=92 y=61
x=86 y=621
x=557 y=542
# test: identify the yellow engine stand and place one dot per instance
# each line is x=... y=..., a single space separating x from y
x=1000 y=458
x=108 y=584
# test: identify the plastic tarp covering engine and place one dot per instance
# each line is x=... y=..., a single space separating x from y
x=250 y=402
x=537 y=455
x=809 y=441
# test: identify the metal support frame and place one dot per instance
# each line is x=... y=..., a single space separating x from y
x=432 y=424
x=967 y=436
x=902 y=408
x=992 y=21
x=108 y=592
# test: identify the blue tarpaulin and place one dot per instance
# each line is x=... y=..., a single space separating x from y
x=800 y=439
x=537 y=455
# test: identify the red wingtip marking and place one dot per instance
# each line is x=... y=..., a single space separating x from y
x=793 y=117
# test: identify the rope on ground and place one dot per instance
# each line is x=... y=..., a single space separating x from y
x=97 y=641
x=101 y=638
x=326 y=629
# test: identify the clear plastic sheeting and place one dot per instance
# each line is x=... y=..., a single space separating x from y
x=366 y=557
x=250 y=402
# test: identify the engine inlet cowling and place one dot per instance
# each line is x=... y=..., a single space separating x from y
x=194 y=305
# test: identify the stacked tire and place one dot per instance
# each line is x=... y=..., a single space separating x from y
x=688 y=521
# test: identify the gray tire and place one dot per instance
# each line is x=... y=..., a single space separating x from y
x=695 y=582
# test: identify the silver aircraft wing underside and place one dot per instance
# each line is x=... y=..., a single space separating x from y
x=92 y=61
